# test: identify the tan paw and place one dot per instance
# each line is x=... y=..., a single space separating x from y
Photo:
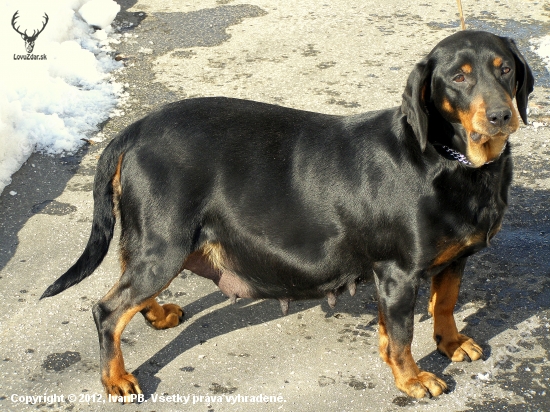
x=462 y=349
x=122 y=387
x=173 y=316
x=424 y=384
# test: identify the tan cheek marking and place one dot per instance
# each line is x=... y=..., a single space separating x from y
x=469 y=118
x=446 y=106
x=474 y=120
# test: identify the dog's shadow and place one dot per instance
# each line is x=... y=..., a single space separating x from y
x=198 y=329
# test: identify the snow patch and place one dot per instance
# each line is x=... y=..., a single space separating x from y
x=99 y=13
x=50 y=103
x=541 y=46
x=484 y=376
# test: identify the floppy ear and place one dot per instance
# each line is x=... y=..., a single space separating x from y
x=524 y=78
x=415 y=99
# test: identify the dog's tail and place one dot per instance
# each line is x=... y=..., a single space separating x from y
x=106 y=192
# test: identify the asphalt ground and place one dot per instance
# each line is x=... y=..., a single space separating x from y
x=339 y=57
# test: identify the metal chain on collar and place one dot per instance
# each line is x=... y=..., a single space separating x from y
x=457 y=155
x=462 y=157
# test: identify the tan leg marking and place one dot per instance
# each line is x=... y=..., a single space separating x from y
x=408 y=377
x=444 y=294
x=116 y=380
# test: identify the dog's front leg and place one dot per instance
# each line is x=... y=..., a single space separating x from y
x=443 y=297
x=397 y=292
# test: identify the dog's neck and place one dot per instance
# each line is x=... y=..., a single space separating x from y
x=452 y=154
x=449 y=141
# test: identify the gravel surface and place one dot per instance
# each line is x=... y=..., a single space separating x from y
x=340 y=57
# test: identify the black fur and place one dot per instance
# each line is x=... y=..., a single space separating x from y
x=301 y=204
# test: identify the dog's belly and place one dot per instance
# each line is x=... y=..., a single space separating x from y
x=203 y=264
x=212 y=263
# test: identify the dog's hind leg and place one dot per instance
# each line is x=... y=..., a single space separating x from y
x=136 y=290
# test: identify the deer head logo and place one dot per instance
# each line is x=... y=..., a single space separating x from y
x=29 y=40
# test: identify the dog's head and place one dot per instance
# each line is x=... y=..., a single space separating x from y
x=469 y=80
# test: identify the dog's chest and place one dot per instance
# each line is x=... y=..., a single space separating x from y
x=465 y=226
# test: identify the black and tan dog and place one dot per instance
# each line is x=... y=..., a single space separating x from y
x=272 y=202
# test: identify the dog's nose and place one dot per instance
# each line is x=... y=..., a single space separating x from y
x=499 y=117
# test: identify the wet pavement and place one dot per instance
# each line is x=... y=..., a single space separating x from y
x=339 y=57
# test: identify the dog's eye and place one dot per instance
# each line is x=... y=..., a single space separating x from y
x=505 y=70
x=459 y=78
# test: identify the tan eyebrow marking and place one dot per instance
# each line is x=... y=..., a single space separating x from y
x=466 y=68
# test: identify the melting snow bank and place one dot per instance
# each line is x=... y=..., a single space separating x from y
x=541 y=46
x=53 y=99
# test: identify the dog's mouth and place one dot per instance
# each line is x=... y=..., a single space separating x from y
x=484 y=148
x=479 y=138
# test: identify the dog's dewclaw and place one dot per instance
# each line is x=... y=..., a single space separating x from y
x=284 y=306
x=331 y=297
x=352 y=288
